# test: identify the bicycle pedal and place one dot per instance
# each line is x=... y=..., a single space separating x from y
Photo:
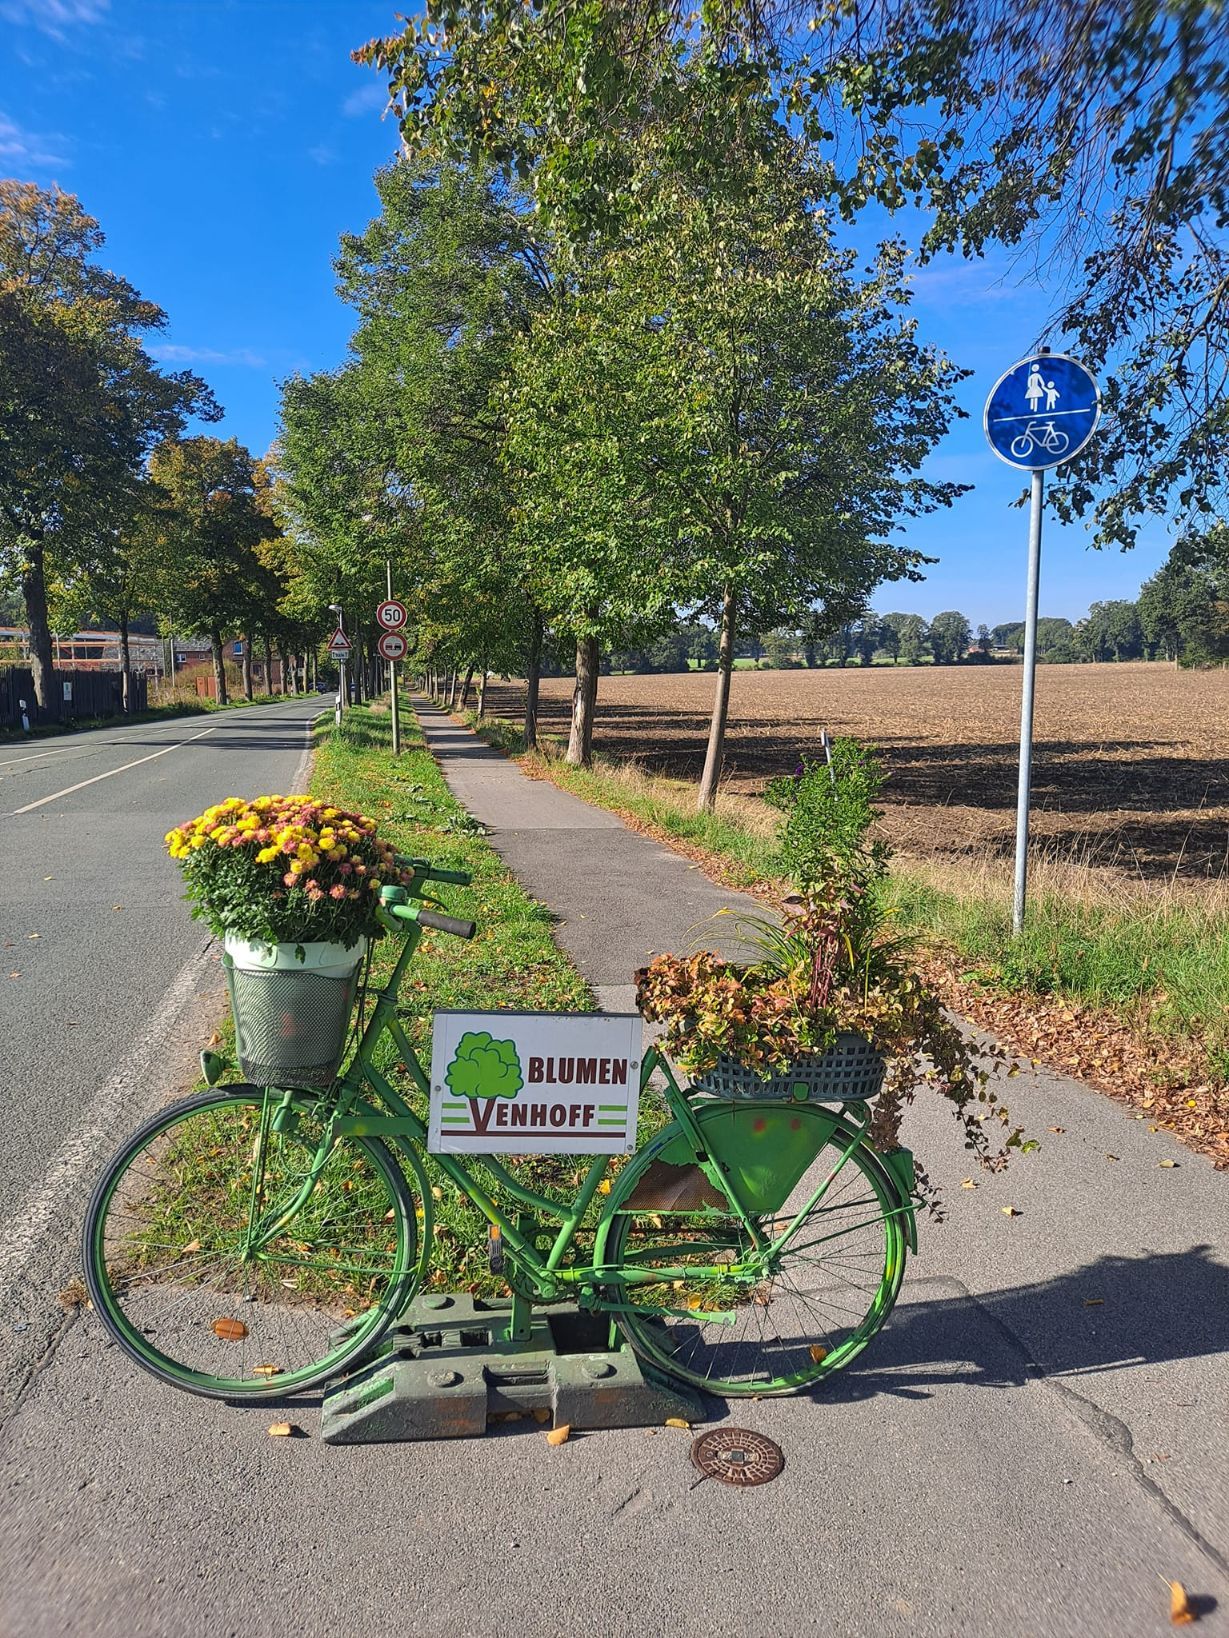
x=495 y=1251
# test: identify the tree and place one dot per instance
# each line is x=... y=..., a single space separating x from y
x=81 y=402
x=211 y=526
x=1111 y=628
x=911 y=635
x=756 y=413
x=444 y=281
x=949 y=637
x=984 y=640
x=1184 y=607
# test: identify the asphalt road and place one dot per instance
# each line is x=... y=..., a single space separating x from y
x=1036 y=1440
x=107 y=989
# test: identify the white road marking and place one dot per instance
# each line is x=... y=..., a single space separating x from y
x=298 y=785
x=87 y=1149
x=41 y=756
x=110 y=773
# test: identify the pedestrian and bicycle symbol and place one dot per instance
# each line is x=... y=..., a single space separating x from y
x=1042 y=411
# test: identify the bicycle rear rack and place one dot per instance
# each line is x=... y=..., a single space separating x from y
x=454 y=1365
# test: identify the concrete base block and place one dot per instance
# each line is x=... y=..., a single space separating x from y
x=449 y=1367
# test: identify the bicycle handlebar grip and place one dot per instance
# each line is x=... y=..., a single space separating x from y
x=446 y=924
x=426 y=871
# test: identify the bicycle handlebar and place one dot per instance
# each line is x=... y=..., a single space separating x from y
x=428 y=918
x=426 y=871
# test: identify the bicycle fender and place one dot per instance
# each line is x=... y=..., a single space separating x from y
x=898 y=1163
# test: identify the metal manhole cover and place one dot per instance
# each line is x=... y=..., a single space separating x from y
x=736 y=1456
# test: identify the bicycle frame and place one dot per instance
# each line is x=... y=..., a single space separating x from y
x=390 y=1117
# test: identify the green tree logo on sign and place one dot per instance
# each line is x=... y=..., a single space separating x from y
x=483 y=1067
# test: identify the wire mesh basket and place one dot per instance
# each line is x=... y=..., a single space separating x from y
x=851 y=1069
x=291 y=1023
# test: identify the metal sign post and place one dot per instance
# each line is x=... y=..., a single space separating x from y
x=1040 y=413
x=339 y=647
x=392 y=615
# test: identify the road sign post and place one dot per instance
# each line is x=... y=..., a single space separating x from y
x=392 y=615
x=339 y=647
x=1040 y=413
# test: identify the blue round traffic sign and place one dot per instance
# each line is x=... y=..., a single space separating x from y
x=1042 y=411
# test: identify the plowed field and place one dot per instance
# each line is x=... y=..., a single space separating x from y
x=1131 y=762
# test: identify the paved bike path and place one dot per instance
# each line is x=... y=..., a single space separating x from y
x=1060 y=1376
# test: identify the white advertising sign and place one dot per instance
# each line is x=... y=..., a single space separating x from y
x=534 y=1083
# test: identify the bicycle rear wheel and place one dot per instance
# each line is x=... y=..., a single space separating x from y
x=167 y=1262
x=723 y=1320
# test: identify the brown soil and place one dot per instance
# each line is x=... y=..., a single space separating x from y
x=1131 y=762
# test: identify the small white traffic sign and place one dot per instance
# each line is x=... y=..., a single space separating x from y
x=392 y=615
x=1042 y=411
x=340 y=645
x=392 y=645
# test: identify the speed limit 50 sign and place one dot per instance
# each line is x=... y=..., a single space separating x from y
x=392 y=615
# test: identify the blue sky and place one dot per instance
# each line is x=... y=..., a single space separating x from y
x=224 y=145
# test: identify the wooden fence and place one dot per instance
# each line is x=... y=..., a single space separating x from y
x=75 y=695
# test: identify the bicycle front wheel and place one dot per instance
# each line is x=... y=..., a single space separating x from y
x=187 y=1289
x=739 y=1319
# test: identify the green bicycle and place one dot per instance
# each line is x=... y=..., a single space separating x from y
x=251 y=1242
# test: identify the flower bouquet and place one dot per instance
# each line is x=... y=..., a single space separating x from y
x=832 y=1006
x=291 y=887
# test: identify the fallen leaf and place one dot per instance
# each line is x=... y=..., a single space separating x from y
x=1094 y=1302
x=559 y=1435
x=281 y=1430
x=39 y=935
x=541 y=1415
x=604 y=1186
x=74 y=1295
x=117 y=907
x=817 y=1353
x=1169 y=1164
x=676 y=1422
x=230 y=1330
x=14 y=975
x=266 y=1370
x=1010 y=1211
x=193 y=1245
x=968 y=1183
x=1111 y=1157
x=1180 y=1612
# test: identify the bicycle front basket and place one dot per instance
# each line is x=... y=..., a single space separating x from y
x=290 y=1023
x=851 y=1069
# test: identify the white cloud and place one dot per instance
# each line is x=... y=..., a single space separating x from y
x=368 y=99
x=54 y=17
x=322 y=154
x=169 y=352
x=26 y=148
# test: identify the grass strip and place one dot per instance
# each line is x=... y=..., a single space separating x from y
x=1123 y=984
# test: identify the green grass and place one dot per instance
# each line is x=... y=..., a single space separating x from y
x=1154 y=955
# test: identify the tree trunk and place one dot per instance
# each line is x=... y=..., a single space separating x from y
x=287 y=673
x=268 y=665
x=584 y=699
x=125 y=664
x=482 y=693
x=219 y=666
x=707 y=799
x=465 y=688
x=247 y=666
x=313 y=674
x=454 y=687
x=34 y=591
x=533 y=680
